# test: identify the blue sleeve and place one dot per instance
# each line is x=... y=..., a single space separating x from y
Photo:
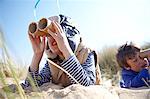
x=130 y=81
x=85 y=73
x=38 y=78
x=138 y=82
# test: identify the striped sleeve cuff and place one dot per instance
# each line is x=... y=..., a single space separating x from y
x=32 y=76
x=74 y=68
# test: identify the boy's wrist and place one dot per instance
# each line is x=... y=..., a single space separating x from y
x=35 y=62
x=67 y=53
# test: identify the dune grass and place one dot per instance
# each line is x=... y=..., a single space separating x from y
x=108 y=64
x=10 y=75
x=7 y=70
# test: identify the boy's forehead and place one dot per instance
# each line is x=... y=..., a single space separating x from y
x=132 y=55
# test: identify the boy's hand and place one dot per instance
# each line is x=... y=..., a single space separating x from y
x=61 y=39
x=38 y=46
x=145 y=54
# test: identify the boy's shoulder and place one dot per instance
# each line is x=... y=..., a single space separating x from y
x=128 y=72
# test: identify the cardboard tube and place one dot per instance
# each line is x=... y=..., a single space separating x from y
x=33 y=30
x=44 y=24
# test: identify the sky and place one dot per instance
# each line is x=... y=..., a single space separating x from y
x=101 y=22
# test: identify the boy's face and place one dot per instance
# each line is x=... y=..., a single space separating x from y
x=136 y=63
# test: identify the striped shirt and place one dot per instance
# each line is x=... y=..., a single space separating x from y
x=83 y=73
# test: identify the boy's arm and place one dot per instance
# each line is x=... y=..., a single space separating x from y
x=137 y=81
x=85 y=73
x=38 y=78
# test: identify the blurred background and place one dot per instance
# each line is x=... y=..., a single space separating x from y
x=104 y=25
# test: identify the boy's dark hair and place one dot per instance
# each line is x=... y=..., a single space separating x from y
x=126 y=51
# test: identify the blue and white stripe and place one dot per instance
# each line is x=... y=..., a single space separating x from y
x=83 y=73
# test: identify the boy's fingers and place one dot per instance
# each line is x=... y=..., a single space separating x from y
x=43 y=41
x=52 y=33
x=31 y=38
x=46 y=45
x=34 y=39
x=57 y=27
x=38 y=39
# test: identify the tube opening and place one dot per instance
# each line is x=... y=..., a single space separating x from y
x=42 y=24
x=32 y=27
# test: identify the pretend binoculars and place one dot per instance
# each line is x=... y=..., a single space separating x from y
x=41 y=27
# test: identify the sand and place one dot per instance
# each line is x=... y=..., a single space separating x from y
x=75 y=91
